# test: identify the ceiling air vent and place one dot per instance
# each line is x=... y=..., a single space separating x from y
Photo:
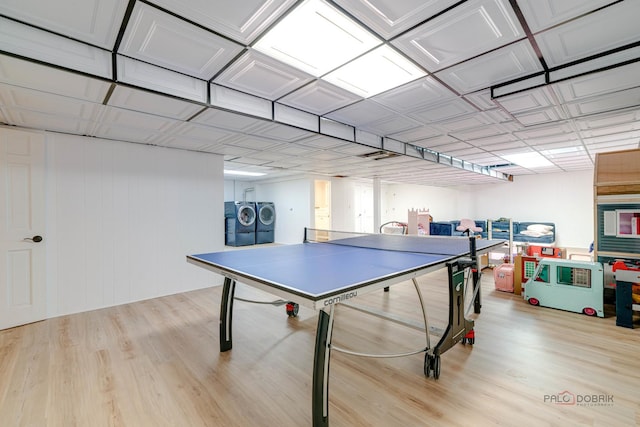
x=379 y=155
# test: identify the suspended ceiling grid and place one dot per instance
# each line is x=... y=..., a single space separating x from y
x=560 y=78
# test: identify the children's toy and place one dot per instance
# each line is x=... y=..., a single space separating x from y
x=565 y=284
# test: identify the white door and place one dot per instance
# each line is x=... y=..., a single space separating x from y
x=22 y=224
x=322 y=205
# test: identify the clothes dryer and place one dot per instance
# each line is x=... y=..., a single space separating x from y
x=240 y=223
x=266 y=223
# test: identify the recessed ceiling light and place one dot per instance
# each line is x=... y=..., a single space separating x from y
x=530 y=159
x=377 y=71
x=316 y=38
x=243 y=173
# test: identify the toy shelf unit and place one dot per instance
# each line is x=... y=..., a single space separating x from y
x=501 y=229
x=617 y=222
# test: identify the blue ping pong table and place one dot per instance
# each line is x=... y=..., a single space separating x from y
x=330 y=268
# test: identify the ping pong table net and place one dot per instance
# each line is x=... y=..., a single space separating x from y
x=388 y=242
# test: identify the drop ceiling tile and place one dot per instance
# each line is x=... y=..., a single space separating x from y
x=541 y=14
x=31 y=42
x=296 y=150
x=470 y=29
x=546 y=115
x=608 y=120
x=352 y=149
x=29 y=74
x=480 y=133
x=325 y=155
x=499 y=116
x=613 y=80
x=481 y=99
x=280 y=132
x=435 y=141
x=542 y=131
x=234 y=150
x=360 y=113
x=604 y=61
x=415 y=95
x=630 y=137
x=46 y=103
x=38 y=120
x=443 y=112
x=261 y=75
x=416 y=134
x=483 y=158
x=319 y=97
x=392 y=18
x=185 y=143
x=390 y=125
x=611 y=130
x=463 y=153
x=603 y=147
x=241 y=21
x=158 y=79
x=605 y=103
x=250 y=160
x=118 y=132
x=227 y=120
x=530 y=100
x=95 y=22
x=285 y=164
x=151 y=103
x=135 y=120
x=493 y=139
x=161 y=39
x=499 y=66
x=560 y=138
x=471 y=121
x=589 y=35
x=490 y=145
x=252 y=141
x=449 y=147
x=206 y=134
x=321 y=142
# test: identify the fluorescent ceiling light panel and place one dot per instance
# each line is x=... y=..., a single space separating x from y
x=316 y=38
x=243 y=173
x=530 y=159
x=381 y=69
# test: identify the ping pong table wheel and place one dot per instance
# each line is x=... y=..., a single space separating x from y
x=432 y=364
x=436 y=367
x=292 y=309
x=470 y=337
x=427 y=365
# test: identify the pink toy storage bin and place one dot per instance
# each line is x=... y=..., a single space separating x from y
x=503 y=277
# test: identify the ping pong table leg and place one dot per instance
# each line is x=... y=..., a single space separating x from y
x=226 y=314
x=477 y=303
x=320 y=391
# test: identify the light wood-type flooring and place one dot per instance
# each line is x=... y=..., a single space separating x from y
x=156 y=363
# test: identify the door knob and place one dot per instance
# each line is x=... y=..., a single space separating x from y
x=35 y=239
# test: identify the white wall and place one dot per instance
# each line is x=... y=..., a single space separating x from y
x=293 y=201
x=563 y=198
x=444 y=204
x=121 y=219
